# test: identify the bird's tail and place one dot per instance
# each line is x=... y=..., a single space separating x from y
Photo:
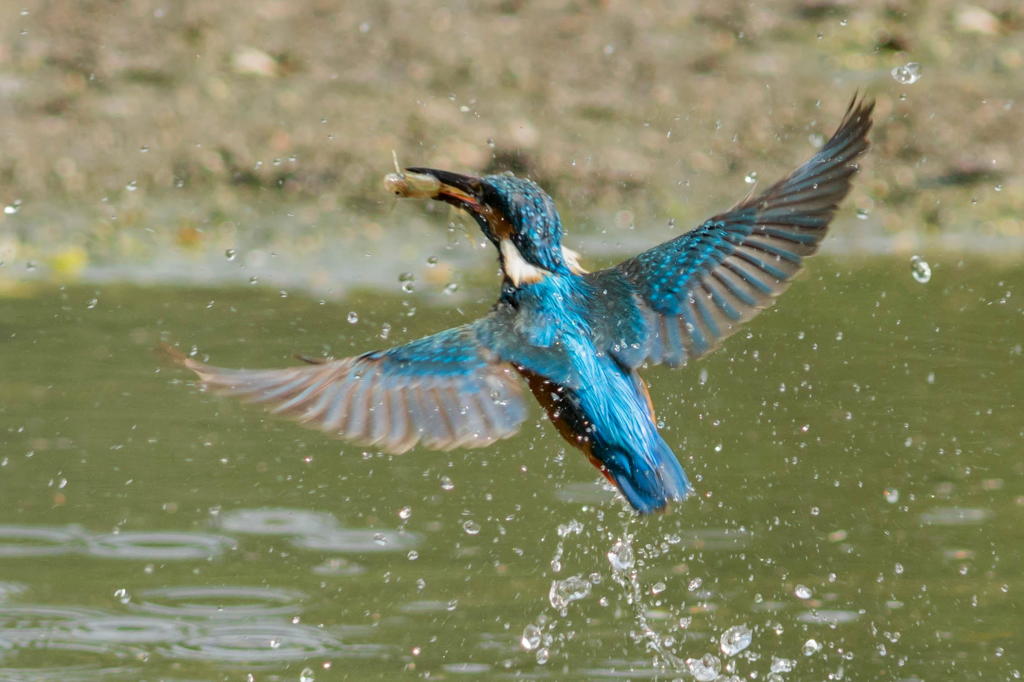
x=650 y=479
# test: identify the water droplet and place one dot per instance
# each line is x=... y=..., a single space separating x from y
x=921 y=271
x=93 y=302
x=447 y=484
x=782 y=665
x=658 y=588
x=122 y=595
x=892 y=495
x=412 y=555
x=694 y=584
x=385 y=330
x=405 y=513
x=352 y=317
x=432 y=261
x=750 y=178
x=254 y=280
x=908 y=74
x=451 y=288
x=811 y=647
x=803 y=592
x=543 y=655
x=735 y=639
x=573 y=527
x=132 y=186
x=144 y=149
x=564 y=592
x=230 y=254
x=998 y=188
x=13 y=207
x=862 y=214
x=704 y=669
x=531 y=637
x=306 y=675
x=471 y=527
x=620 y=556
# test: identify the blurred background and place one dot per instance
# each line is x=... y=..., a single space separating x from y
x=209 y=174
x=156 y=134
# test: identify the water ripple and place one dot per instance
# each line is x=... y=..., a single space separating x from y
x=219 y=601
x=24 y=624
x=353 y=540
x=255 y=643
x=158 y=546
x=30 y=541
x=277 y=521
x=78 y=661
x=131 y=629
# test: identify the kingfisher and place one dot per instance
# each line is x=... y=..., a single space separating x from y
x=575 y=339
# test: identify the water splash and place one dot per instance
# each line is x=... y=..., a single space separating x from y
x=907 y=74
x=920 y=270
x=531 y=637
x=735 y=639
x=564 y=592
x=704 y=669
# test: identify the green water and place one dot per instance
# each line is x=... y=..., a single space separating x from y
x=857 y=456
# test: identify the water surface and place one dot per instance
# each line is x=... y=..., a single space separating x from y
x=857 y=456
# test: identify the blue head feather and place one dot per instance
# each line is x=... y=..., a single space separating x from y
x=536 y=225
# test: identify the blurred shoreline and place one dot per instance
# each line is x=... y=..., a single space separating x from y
x=146 y=141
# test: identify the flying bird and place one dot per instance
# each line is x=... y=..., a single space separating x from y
x=576 y=339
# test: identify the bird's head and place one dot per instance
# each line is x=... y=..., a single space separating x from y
x=517 y=216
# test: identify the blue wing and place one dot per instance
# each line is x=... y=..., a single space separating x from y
x=676 y=301
x=445 y=390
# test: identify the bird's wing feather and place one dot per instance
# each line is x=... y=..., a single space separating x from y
x=445 y=391
x=688 y=294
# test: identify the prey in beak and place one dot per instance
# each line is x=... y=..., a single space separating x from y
x=461 y=191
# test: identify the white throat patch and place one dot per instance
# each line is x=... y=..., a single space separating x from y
x=521 y=272
x=516 y=267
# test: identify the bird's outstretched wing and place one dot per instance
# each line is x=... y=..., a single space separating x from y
x=446 y=391
x=676 y=301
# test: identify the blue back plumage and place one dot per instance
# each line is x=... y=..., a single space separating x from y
x=605 y=406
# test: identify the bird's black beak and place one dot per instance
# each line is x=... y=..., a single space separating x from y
x=461 y=191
